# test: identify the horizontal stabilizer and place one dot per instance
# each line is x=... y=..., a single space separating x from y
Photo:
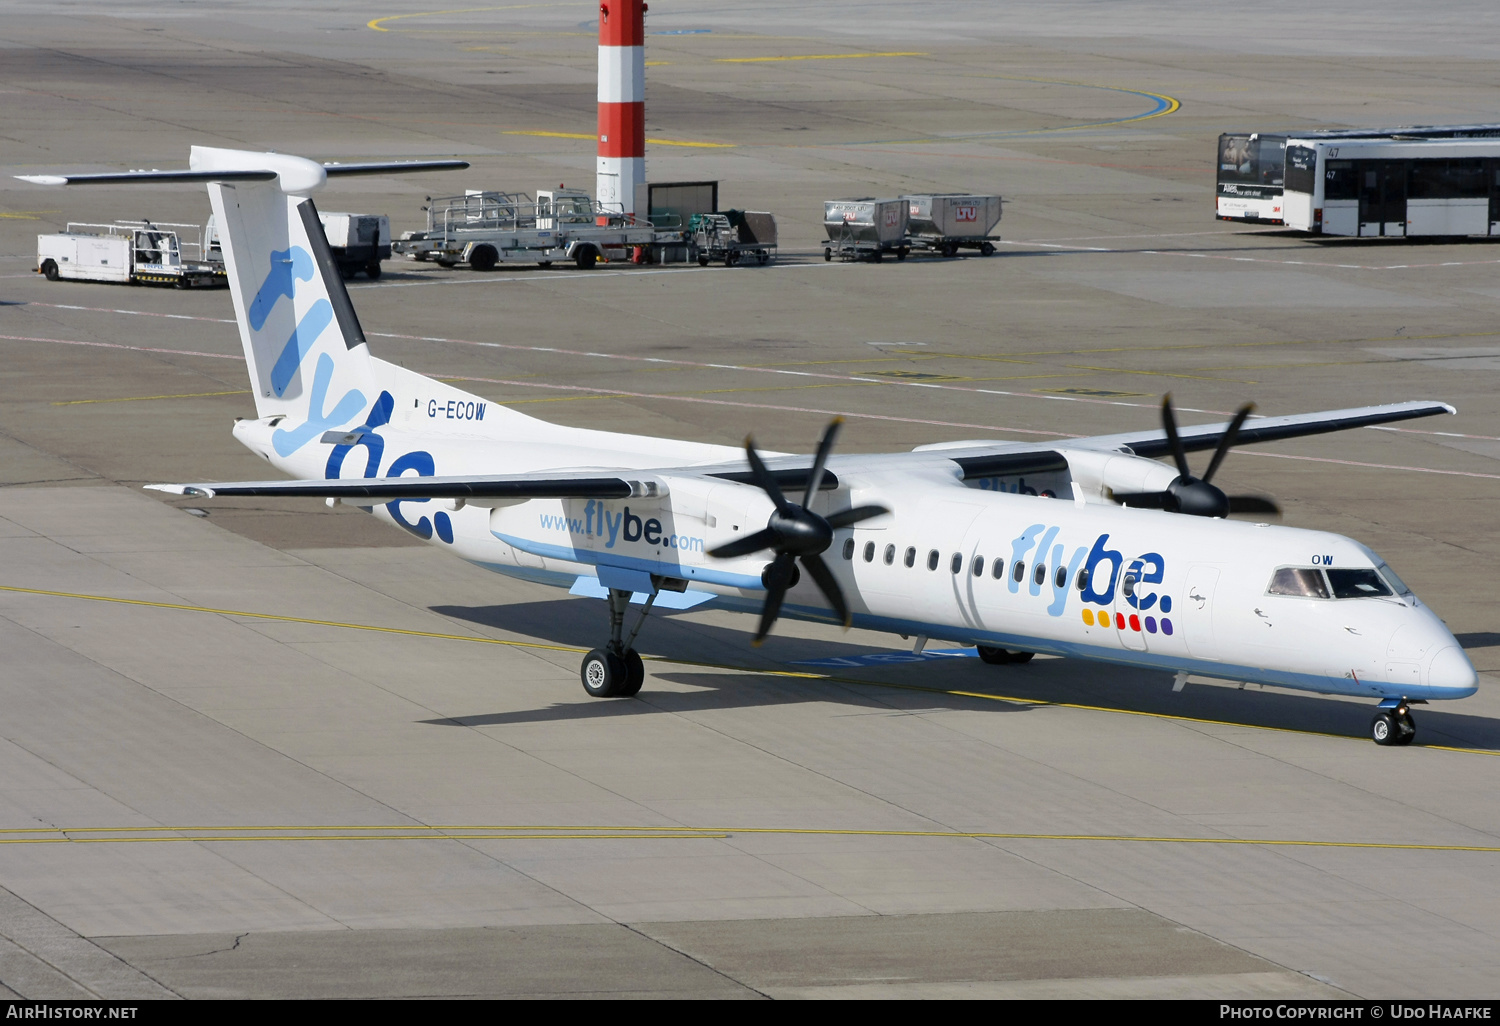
x=151 y=177
x=398 y=167
x=388 y=489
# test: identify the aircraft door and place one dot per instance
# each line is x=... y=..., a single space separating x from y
x=1382 y=197
x=1194 y=614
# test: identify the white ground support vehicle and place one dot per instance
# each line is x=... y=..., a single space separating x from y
x=128 y=252
x=484 y=229
x=1250 y=165
x=1393 y=188
x=359 y=242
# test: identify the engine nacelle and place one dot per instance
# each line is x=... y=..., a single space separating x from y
x=1098 y=475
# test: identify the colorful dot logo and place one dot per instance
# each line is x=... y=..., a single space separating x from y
x=1148 y=624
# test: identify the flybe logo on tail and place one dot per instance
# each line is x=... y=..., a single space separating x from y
x=288 y=267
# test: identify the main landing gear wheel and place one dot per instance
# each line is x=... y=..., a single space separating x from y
x=616 y=670
x=635 y=675
x=1000 y=656
x=603 y=673
x=1393 y=727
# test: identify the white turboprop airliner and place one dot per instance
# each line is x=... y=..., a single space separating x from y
x=1014 y=547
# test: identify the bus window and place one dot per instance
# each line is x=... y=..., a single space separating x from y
x=1361 y=583
x=1339 y=182
x=1296 y=580
x=1448 y=179
x=1301 y=169
x=1252 y=161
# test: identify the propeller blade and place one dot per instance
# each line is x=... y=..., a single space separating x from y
x=1169 y=425
x=764 y=479
x=1147 y=500
x=854 y=515
x=778 y=577
x=1227 y=442
x=815 y=479
x=828 y=586
x=744 y=546
x=1253 y=504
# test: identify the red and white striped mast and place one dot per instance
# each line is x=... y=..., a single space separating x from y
x=622 y=103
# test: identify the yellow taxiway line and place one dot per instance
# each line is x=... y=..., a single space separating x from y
x=553 y=832
x=815 y=57
x=769 y=672
x=144 y=398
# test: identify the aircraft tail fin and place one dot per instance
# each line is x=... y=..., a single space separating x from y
x=299 y=329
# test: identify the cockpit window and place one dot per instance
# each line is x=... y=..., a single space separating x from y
x=1360 y=583
x=1296 y=580
x=1396 y=583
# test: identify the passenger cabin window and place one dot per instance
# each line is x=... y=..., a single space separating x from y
x=932 y=559
x=1083 y=579
x=1357 y=583
x=1296 y=580
x=999 y=570
x=978 y=566
x=1060 y=578
x=956 y=564
x=848 y=548
x=911 y=556
x=890 y=554
x=1020 y=571
x=869 y=552
x=1039 y=576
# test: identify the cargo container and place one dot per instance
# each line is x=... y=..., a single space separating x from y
x=865 y=229
x=947 y=222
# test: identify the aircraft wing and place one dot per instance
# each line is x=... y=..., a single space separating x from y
x=1266 y=429
x=387 y=489
x=1029 y=458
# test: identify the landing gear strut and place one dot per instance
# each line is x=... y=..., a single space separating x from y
x=1393 y=725
x=616 y=671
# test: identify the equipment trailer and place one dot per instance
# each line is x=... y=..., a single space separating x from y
x=127 y=252
x=485 y=229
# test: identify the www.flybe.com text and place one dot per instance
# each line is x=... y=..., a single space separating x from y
x=599 y=522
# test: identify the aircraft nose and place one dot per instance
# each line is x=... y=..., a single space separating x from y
x=1451 y=670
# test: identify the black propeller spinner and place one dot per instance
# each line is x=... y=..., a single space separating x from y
x=1195 y=496
x=796 y=533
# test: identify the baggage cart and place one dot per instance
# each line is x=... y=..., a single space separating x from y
x=944 y=223
x=734 y=236
x=865 y=229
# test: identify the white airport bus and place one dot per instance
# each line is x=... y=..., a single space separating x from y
x=1251 y=165
x=1388 y=187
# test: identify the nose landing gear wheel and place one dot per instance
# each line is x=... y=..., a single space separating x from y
x=1393 y=727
